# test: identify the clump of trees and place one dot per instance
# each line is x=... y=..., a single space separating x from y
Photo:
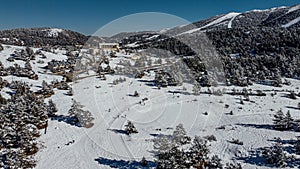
x=180 y=151
x=277 y=155
x=20 y=120
x=47 y=89
x=80 y=117
x=283 y=121
x=120 y=80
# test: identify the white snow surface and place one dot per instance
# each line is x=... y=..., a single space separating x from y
x=292 y=22
x=216 y=21
x=294 y=8
x=53 y=32
x=112 y=107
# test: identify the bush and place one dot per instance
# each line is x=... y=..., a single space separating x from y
x=275 y=154
x=210 y=138
x=130 y=128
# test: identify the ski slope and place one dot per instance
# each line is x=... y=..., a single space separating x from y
x=67 y=146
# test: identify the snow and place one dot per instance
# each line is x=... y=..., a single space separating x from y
x=164 y=30
x=292 y=22
x=294 y=8
x=266 y=10
x=163 y=110
x=53 y=32
x=133 y=44
x=152 y=37
x=5 y=39
x=230 y=22
x=230 y=15
x=112 y=107
x=221 y=19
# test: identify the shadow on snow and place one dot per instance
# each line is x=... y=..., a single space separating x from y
x=123 y=164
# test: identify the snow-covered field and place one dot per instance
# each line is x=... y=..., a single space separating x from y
x=68 y=146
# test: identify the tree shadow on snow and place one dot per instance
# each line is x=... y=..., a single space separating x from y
x=255 y=157
x=287 y=144
x=292 y=107
x=67 y=119
x=123 y=164
x=118 y=131
x=258 y=126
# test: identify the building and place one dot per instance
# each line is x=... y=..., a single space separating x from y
x=109 y=46
x=94 y=51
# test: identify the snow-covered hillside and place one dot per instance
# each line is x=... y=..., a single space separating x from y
x=105 y=145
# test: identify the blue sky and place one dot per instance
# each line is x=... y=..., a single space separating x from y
x=89 y=15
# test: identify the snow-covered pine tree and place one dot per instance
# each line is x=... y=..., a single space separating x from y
x=288 y=121
x=51 y=108
x=85 y=119
x=162 y=144
x=136 y=94
x=70 y=92
x=29 y=52
x=214 y=163
x=196 y=89
x=180 y=136
x=130 y=128
x=233 y=166
x=44 y=85
x=28 y=66
x=279 y=120
x=297 y=145
x=144 y=162
x=292 y=95
x=198 y=152
x=80 y=117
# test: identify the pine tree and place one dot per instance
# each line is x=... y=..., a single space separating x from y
x=136 y=94
x=130 y=128
x=279 y=120
x=44 y=85
x=196 y=89
x=70 y=92
x=241 y=100
x=80 y=117
x=292 y=95
x=51 y=108
x=162 y=144
x=297 y=145
x=144 y=162
x=214 y=163
x=288 y=121
x=29 y=52
x=180 y=136
x=198 y=152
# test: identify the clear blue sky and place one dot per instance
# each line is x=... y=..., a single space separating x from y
x=88 y=16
